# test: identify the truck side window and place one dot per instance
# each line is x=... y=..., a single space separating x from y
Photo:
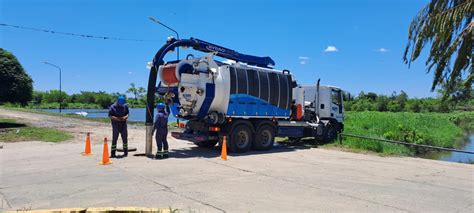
x=336 y=97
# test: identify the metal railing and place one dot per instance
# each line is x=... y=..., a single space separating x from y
x=341 y=135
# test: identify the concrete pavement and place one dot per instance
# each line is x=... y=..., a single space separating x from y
x=45 y=175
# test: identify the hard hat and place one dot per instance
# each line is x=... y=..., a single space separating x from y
x=121 y=100
x=160 y=106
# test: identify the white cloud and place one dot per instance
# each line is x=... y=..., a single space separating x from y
x=303 y=59
x=331 y=49
x=130 y=73
x=381 y=50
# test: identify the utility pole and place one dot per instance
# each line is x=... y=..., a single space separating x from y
x=169 y=28
x=60 y=91
x=177 y=36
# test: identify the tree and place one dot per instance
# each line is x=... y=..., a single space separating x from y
x=54 y=96
x=136 y=91
x=394 y=106
x=372 y=96
x=363 y=104
x=16 y=85
x=38 y=97
x=115 y=95
x=85 y=97
x=382 y=103
x=402 y=99
x=347 y=96
x=413 y=105
x=103 y=99
x=446 y=25
x=100 y=98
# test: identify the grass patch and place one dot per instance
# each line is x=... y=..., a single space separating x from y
x=437 y=129
x=11 y=131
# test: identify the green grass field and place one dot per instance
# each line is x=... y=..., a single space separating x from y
x=438 y=129
x=12 y=131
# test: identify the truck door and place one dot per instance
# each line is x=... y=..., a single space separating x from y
x=337 y=109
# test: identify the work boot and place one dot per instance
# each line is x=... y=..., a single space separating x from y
x=112 y=154
x=159 y=155
x=165 y=154
x=125 y=152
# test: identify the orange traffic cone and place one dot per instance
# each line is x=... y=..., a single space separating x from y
x=224 y=149
x=87 y=150
x=105 y=154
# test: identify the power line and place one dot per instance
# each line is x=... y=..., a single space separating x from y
x=75 y=34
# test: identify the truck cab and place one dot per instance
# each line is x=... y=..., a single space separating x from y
x=329 y=102
x=322 y=114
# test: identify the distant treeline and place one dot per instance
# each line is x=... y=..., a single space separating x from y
x=402 y=103
x=84 y=99
x=396 y=102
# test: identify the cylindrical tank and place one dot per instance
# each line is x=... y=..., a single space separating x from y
x=232 y=90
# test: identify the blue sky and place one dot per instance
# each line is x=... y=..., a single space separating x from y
x=356 y=45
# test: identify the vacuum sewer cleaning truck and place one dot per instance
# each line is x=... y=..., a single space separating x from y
x=243 y=98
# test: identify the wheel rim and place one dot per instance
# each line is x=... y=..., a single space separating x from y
x=242 y=139
x=266 y=137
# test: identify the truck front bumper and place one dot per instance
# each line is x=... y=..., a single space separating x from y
x=195 y=138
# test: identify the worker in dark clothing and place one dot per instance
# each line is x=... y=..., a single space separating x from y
x=118 y=114
x=161 y=128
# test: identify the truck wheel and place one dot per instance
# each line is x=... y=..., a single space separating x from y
x=240 y=139
x=207 y=144
x=264 y=138
x=331 y=134
x=320 y=134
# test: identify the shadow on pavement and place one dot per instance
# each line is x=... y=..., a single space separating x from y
x=200 y=152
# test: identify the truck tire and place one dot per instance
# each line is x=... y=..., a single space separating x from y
x=264 y=137
x=320 y=133
x=240 y=138
x=331 y=134
x=207 y=144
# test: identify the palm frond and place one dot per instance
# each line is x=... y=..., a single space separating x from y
x=445 y=26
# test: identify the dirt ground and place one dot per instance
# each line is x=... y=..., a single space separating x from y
x=39 y=175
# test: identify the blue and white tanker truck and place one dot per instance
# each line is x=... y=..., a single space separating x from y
x=243 y=98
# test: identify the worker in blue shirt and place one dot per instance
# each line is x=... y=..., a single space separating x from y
x=118 y=114
x=161 y=128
